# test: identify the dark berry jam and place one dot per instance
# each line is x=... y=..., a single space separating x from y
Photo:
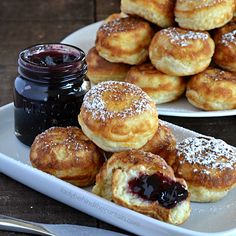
x=159 y=188
x=51 y=58
x=49 y=90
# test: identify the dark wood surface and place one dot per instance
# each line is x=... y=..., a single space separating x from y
x=27 y=22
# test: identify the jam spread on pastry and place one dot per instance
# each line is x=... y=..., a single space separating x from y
x=159 y=188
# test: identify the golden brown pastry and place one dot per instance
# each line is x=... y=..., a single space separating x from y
x=181 y=52
x=209 y=167
x=115 y=16
x=143 y=182
x=160 y=12
x=212 y=89
x=118 y=116
x=225 y=51
x=163 y=143
x=160 y=87
x=124 y=40
x=203 y=15
x=67 y=154
x=100 y=70
x=235 y=8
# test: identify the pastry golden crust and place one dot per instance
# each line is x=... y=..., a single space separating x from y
x=159 y=12
x=235 y=8
x=181 y=52
x=115 y=16
x=67 y=154
x=209 y=167
x=112 y=183
x=213 y=89
x=225 y=52
x=124 y=40
x=100 y=70
x=160 y=87
x=163 y=144
x=118 y=116
x=203 y=15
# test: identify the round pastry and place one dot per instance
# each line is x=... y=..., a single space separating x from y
x=100 y=69
x=67 y=154
x=115 y=16
x=209 y=167
x=212 y=89
x=118 y=116
x=180 y=52
x=143 y=182
x=235 y=8
x=163 y=143
x=160 y=12
x=160 y=87
x=203 y=15
x=124 y=40
x=225 y=51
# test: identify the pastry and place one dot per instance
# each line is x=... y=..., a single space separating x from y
x=143 y=182
x=160 y=87
x=67 y=154
x=163 y=143
x=212 y=89
x=118 y=116
x=209 y=167
x=159 y=12
x=124 y=40
x=180 y=52
x=115 y=16
x=225 y=51
x=203 y=15
x=100 y=70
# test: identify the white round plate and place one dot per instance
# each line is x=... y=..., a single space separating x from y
x=84 y=38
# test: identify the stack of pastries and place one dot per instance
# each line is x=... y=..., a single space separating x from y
x=162 y=45
x=122 y=148
x=132 y=158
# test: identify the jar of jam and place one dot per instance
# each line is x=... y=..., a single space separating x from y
x=49 y=89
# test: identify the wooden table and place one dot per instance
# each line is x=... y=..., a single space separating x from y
x=26 y=22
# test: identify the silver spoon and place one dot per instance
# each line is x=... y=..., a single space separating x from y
x=17 y=225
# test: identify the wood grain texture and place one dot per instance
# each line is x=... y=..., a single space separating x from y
x=24 y=23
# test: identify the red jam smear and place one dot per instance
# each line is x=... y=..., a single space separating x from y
x=51 y=58
x=159 y=188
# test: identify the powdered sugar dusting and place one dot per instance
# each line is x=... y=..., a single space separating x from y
x=120 y=25
x=229 y=38
x=69 y=137
x=117 y=91
x=182 y=37
x=219 y=75
x=208 y=152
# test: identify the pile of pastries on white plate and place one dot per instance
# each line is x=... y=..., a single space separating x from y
x=171 y=49
x=122 y=149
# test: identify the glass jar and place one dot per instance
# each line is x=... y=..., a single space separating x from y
x=49 y=89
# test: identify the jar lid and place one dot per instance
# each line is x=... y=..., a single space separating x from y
x=52 y=60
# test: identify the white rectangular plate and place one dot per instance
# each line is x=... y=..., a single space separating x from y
x=206 y=218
